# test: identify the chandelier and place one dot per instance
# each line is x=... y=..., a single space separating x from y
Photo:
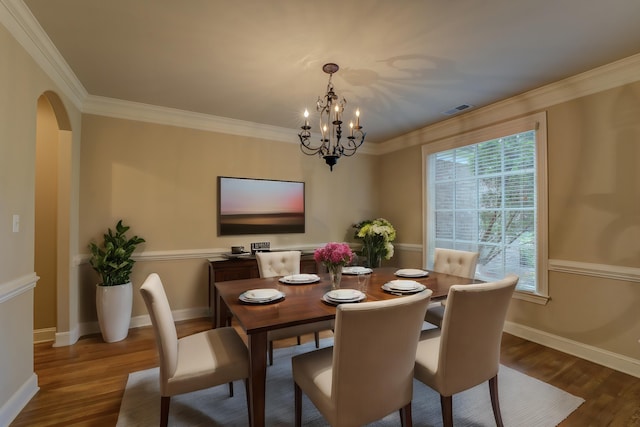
x=332 y=144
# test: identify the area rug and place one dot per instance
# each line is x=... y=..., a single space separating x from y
x=524 y=401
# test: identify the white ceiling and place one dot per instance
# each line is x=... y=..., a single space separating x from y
x=402 y=62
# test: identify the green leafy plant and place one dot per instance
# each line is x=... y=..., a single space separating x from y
x=113 y=260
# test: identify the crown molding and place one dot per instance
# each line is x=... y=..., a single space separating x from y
x=608 y=76
x=116 y=108
x=128 y=110
x=21 y=23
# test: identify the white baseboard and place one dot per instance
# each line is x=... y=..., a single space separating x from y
x=178 y=315
x=16 y=403
x=88 y=328
x=67 y=338
x=602 y=357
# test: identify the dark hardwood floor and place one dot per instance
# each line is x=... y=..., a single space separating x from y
x=82 y=385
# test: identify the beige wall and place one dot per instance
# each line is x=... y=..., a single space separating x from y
x=594 y=194
x=46 y=216
x=594 y=208
x=162 y=181
x=17 y=155
x=21 y=84
x=401 y=200
x=594 y=217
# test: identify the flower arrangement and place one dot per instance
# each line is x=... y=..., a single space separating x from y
x=334 y=254
x=376 y=235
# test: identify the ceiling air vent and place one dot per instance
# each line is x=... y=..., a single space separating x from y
x=458 y=109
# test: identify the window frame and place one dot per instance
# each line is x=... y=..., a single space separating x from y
x=537 y=122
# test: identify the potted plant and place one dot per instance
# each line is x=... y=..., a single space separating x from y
x=114 y=293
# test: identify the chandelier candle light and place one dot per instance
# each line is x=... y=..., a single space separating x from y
x=331 y=108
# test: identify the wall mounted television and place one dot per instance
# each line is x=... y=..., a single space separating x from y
x=260 y=206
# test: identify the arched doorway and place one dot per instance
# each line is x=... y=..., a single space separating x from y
x=52 y=218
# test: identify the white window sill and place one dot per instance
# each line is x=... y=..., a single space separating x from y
x=531 y=297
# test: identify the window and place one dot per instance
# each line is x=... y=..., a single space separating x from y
x=486 y=193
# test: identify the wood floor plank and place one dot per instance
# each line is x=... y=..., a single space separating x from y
x=83 y=384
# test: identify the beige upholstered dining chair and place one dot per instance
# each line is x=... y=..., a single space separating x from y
x=285 y=263
x=194 y=362
x=465 y=351
x=279 y=263
x=456 y=263
x=368 y=373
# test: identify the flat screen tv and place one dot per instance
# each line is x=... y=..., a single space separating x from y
x=259 y=206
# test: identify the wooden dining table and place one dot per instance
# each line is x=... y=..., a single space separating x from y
x=302 y=303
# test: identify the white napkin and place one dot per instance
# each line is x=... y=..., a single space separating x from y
x=403 y=285
x=356 y=270
x=261 y=294
x=344 y=294
x=301 y=278
x=411 y=272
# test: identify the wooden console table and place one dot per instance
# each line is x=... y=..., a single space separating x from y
x=245 y=267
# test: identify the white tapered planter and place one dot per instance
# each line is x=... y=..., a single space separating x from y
x=113 y=304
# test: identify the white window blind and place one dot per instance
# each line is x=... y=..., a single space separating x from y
x=483 y=198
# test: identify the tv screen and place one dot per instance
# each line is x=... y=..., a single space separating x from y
x=259 y=206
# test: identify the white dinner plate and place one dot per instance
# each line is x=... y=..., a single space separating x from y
x=356 y=270
x=339 y=296
x=260 y=296
x=403 y=286
x=300 y=279
x=344 y=294
x=411 y=272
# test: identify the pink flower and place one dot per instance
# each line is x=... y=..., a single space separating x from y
x=334 y=254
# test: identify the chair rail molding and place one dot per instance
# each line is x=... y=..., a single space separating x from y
x=15 y=287
x=207 y=253
x=409 y=247
x=615 y=272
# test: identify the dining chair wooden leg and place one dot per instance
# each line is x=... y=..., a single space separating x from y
x=270 y=353
x=405 y=416
x=495 y=401
x=231 y=389
x=298 y=404
x=229 y=320
x=298 y=339
x=246 y=389
x=316 y=335
x=165 y=402
x=446 y=403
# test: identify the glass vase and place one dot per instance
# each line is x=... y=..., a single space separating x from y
x=335 y=274
x=373 y=258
